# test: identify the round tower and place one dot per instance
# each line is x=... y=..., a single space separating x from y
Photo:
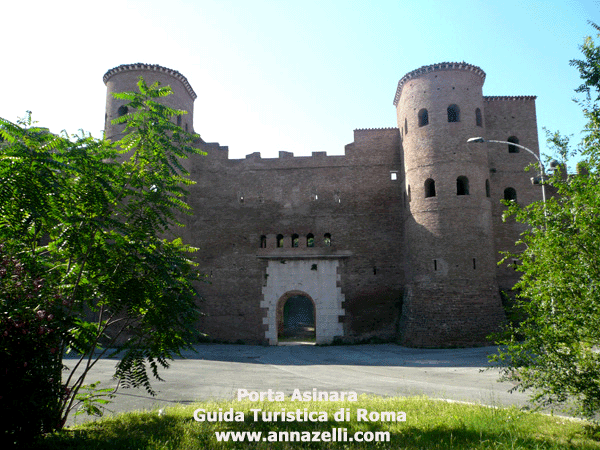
x=452 y=295
x=125 y=78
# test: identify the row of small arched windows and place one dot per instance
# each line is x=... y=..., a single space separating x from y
x=462 y=188
x=453 y=114
x=295 y=240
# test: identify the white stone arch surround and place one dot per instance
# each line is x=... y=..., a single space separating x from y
x=319 y=278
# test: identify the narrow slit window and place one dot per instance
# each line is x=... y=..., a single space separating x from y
x=435 y=265
x=429 y=188
x=478 y=118
x=513 y=148
x=263 y=241
x=423 y=117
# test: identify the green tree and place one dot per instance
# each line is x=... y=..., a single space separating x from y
x=555 y=350
x=87 y=259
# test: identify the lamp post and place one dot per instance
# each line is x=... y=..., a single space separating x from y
x=480 y=140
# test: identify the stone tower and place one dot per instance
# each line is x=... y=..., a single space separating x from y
x=451 y=294
x=125 y=77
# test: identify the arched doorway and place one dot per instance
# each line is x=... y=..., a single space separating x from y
x=296 y=319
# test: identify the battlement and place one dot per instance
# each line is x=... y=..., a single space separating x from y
x=434 y=68
x=150 y=67
x=508 y=98
x=285 y=155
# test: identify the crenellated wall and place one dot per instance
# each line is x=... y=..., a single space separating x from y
x=360 y=234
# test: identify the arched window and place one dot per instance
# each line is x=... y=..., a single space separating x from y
x=122 y=110
x=429 y=188
x=423 y=117
x=487 y=188
x=510 y=194
x=513 y=148
x=478 y=118
x=462 y=186
x=453 y=113
x=310 y=240
x=279 y=240
x=263 y=241
x=295 y=240
x=327 y=240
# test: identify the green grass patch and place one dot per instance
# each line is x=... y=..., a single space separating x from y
x=430 y=424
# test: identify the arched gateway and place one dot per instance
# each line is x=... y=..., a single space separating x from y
x=296 y=317
x=305 y=286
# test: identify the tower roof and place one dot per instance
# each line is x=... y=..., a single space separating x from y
x=435 y=68
x=151 y=67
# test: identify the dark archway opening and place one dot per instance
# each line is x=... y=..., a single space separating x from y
x=298 y=320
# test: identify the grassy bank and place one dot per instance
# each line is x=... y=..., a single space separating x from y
x=429 y=425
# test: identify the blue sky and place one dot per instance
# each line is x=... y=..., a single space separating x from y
x=295 y=76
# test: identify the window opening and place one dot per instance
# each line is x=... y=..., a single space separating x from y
x=405 y=126
x=513 y=148
x=435 y=265
x=178 y=121
x=462 y=186
x=310 y=240
x=327 y=240
x=478 y=118
x=423 y=117
x=393 y=175
x=453 y=113
x=263 y=241
x=295 y=240
x=487 y=188
x=510 y=194
x=474 y=264
x=429 y=188
x=122 y=110
x=279 y=241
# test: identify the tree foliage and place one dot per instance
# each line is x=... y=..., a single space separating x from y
x=87 y=259
x=555 y=350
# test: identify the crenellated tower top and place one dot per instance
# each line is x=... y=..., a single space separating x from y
x=154 y=68
x=434 y=68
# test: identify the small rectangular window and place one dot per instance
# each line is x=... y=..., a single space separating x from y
x=393 y=175
x=474 y=264
x=435 y=264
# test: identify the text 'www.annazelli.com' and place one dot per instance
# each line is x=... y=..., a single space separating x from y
x=335 y=435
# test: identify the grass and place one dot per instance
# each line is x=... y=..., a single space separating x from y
x=430 y=424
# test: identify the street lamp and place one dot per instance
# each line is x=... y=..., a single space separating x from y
x=480 y=140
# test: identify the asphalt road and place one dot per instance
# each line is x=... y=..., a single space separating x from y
x=218 y=371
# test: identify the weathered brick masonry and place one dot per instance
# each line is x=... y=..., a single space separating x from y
x=396 y=239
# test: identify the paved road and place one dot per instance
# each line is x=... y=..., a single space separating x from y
x=218 y=371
